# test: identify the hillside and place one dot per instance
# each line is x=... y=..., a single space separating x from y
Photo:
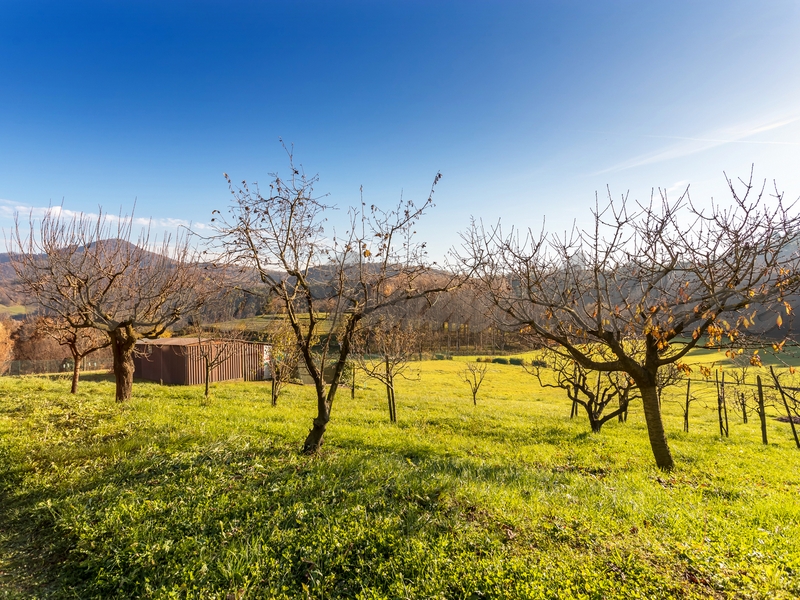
x=507 y=499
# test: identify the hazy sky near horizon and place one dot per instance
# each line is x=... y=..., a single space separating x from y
x=527 y=108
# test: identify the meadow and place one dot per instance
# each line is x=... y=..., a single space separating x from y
x=171 y=497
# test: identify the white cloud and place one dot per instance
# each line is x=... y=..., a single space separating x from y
x=9 y=209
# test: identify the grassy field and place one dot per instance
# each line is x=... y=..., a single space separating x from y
x=14 y=310
x=168 y=497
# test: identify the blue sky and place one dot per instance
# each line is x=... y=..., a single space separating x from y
x=527 y=108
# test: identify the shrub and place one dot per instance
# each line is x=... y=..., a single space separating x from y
x=500 y=360
x=538 y=363
x=516 y=361
x=438 y=357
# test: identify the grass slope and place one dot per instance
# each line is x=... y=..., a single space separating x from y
x=169 y=498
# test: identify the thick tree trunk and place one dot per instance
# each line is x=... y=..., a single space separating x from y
x=314 y=439
x=655 y=428
x=123 y=341
x=76 y=373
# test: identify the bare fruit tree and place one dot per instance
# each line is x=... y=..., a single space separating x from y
x=326 y=283
x=80 y=341
x=594 y=393
x=473 y=375
x=284 y=354
x=391 y=346
x=86 y=270
x=646 y=283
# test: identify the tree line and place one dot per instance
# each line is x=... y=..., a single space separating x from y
x=616 y=306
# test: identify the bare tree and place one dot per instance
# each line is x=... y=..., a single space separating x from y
x=80 y=341
x=647 y=282
x=391 y=346
x=473 y=375
x=216 y=347
x=594 y=394
x=86 y=271
x=284 y=354
x=326 y=283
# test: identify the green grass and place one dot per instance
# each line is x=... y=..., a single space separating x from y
x=14 y=310
x=169 y=498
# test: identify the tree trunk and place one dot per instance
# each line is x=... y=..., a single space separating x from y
x=389 y=402
x=743 y=402
x=655 y=428
x=76 y=373
x=316 y=433
x=762 y=411
x=123 y=341
x=276 y=389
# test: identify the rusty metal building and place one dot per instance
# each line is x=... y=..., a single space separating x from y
x=181 y=360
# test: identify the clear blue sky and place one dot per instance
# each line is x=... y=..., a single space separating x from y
x=527 y=108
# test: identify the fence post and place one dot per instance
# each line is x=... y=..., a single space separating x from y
x=786 y=405
x=762 y=414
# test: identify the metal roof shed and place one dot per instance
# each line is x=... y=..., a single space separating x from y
x=180 y=361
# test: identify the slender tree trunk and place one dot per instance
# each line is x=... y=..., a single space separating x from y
x=389 y=402
x=655 y=428
x=276 y=389
x=123 y=341
x=475 y=397
x=743 y=402
x=208 y=373
x=762 y=411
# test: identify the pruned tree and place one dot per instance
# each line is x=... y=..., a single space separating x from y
x=391 y=346
x=86 y=270
x=327 y=283
x=80 y=341
x=744 y=402
x=473 y=375
x=647 y=282
x=593 y=391
x=284 y=354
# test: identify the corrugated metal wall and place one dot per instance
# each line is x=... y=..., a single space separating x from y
x=185 y=364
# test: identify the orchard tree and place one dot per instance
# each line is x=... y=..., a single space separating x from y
x=473 y=375
x=326 y=283
x=86 y=271
x=80 y=341
x=284 y=354
x=595 y=391
x=645 y=284
x=391 y=346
